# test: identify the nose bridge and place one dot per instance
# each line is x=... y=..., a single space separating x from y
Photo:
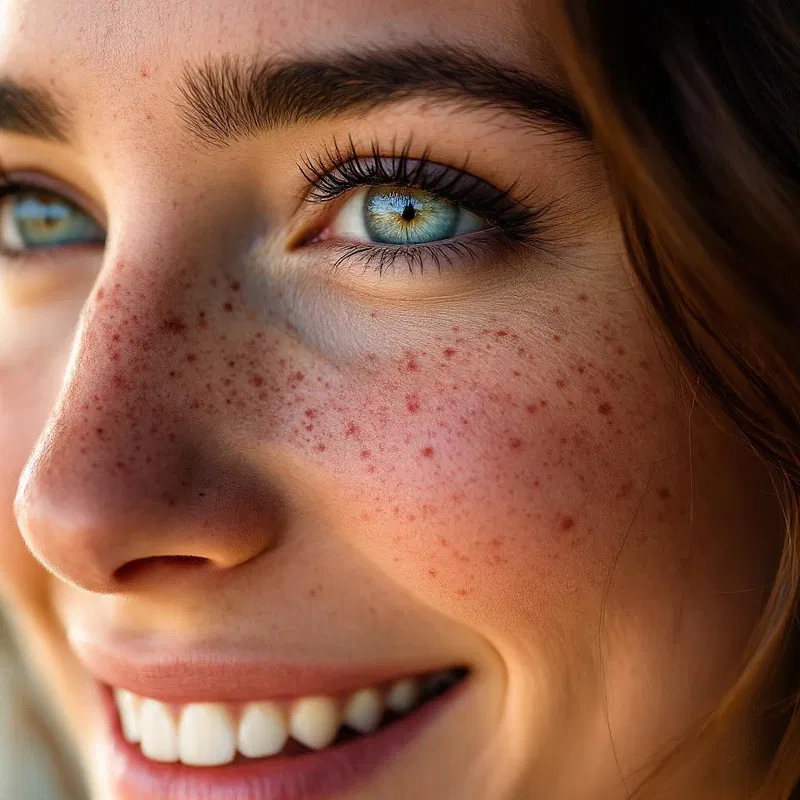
x=123 y=472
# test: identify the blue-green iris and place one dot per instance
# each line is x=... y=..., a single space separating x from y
x=44 y=220
x=394 y=215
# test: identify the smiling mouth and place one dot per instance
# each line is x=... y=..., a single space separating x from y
x=215 y=734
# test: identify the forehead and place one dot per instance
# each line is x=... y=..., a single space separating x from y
x=106 y=43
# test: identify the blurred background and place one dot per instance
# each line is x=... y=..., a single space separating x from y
x=34 y=764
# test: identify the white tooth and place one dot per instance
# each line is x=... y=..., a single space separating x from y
x=403 y=695
x=262 y=730
x=364 y=710
x=314 y=722
x=128 y=705
x=159 y=735
x=206 y=737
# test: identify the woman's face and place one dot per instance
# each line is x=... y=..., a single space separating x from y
x=321 y=368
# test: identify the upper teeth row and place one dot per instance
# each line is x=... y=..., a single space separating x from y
x=208 y=734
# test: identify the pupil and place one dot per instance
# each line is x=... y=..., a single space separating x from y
x=409 y=212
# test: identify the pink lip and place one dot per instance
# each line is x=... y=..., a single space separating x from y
x=311 y=776
x=213 y=677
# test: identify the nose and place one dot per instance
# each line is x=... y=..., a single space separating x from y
x=132 y=473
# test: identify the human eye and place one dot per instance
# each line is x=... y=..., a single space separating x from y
x=33 y=218
x=393 y=208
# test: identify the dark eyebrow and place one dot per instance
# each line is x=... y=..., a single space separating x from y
x=229 y=98
x=32 y=111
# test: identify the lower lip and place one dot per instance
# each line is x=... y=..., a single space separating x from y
x=311 y=776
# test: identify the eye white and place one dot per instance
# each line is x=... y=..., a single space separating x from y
x=10 y=238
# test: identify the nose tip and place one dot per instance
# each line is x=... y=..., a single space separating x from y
x=104 y=530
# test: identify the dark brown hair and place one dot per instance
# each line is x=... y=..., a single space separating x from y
x=696 y=105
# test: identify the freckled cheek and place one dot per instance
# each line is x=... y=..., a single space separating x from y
x=464 y=487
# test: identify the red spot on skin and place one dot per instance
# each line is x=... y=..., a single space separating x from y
x=581 y=370
x=373 y=314
x=433 y=573
x=235 y=286
x=99 y=432
x=501 y=333
x=412 y=403
x=256 y=380
x=101 y=293
x=311 y=413
x=194 y=404
x=561 y=383
x=515 y=444
x=298 y=377
x=567 y=523
x=173 y=325
x=191 y=357
x=498 y=542
x=365 y=454
x=351 y=430
x=449 y=352
x=556 y=337
x=604 y=408
x=462 y=592
x=427 y=452
x=115 y=337
x=412 y=365
x=664 y=493
x=320 y=448
x=201 y=320
x=583 y=297
x=624 y=490
x=144 y=72
x=516 y=373
x=543 y=403
x=228 y=307
x=532 y=409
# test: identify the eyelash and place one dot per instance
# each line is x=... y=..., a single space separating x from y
x=337 y=172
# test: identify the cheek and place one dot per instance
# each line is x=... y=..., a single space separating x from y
x=486 y=463
x=24 y=401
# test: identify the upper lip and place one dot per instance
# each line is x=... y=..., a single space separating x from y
x=184 y=676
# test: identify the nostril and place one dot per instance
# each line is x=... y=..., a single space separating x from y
x=133 y=570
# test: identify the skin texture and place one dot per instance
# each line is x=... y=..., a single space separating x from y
x=499 y=466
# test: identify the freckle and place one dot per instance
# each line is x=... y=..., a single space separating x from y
x=556 y=310
x=449 y=352
x=621 y=351
x=433 y=573
x=556 y=337
x=213 y=281
x=311 y=413
x=532 y=409
x=235 y=286
x=515 y=444
x=373 y=314
x=561 y=383
x=427 y=452
x=99 y=431
x=543 y=403
x=462 y=592
x=604 y=408
x=351 y=430
x=228 y=307
x=174 y=325
x=583 y=297
x=172 y=437
x=567 y=523
x=664 y=493
x=581 y=370
x=256 y=380
x=190 y=357
x=412 y=403
x=537 y=483
x=101 y=293
x=644 y=365
x=194 y=404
